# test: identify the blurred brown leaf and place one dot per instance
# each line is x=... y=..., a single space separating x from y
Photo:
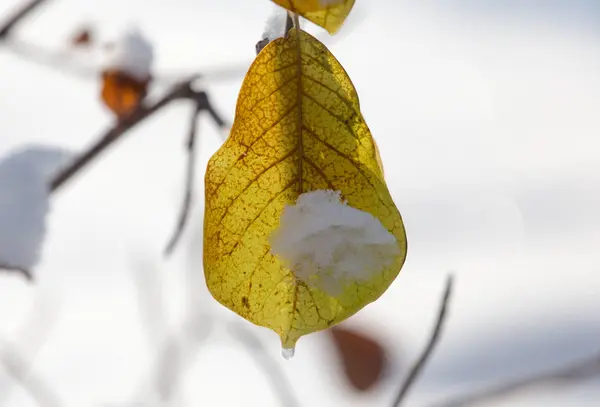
x=363 y=357
x=82 y=38
x=121 y=92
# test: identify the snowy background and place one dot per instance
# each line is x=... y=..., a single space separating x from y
x=486 y=114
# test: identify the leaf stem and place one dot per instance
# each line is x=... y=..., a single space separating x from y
x=295 y=20
x=289 y=22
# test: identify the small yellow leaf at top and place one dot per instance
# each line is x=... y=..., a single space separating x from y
x=300 y=230
x=329 y=14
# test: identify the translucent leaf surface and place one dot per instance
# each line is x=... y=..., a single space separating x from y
x=298 y=128
x=329 y=14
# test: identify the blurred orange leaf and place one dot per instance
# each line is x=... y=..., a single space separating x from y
x=122 y=93
x=363 y=357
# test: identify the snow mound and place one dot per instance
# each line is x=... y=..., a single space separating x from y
x=133 y=54
x=24 y=203
x=328 y=244
x=275 y=25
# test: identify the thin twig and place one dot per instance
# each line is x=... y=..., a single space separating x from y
x=18 y=368
x=570 y=374
x=31 y=337
x=23 y=271
x=18 y=16
x=219 y=121
x=174 y=357
x=122 y=127
x=150 y=299
x=278 y=380
x=181 y=91
x=189 y=182
x=427 y=352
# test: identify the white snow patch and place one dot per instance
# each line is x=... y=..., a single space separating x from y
x=133 y=54
x=275 y=25
x=24 y=202
x=327 y=243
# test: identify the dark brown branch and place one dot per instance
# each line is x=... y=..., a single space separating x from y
x=139 y=115
x=571 y=374
x=427 y=352
x=189 y=182
x=181 y=91
x=219 y=121
x=18 y=16
x=26 y=273
x=277 y=378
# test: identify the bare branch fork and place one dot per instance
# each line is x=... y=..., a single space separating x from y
x=178 y=92
x=183 y=91
x=431 y=344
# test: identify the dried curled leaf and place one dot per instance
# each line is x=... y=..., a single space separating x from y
x=329 y=14
x=122 y=93
x=298 y=130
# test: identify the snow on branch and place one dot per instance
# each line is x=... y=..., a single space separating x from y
x=25 y=175
x=132 y=54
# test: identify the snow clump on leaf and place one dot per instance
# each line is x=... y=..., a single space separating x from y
x=328 y=244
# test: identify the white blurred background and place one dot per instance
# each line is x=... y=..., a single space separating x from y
x=487 y=117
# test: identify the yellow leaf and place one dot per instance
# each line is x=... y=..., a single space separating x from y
x=298 y=133
x=329 y=14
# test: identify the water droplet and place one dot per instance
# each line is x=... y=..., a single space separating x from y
x=288 y=353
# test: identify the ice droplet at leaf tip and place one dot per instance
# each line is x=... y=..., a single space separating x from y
x=288 y=353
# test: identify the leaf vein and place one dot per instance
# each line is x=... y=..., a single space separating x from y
x=335 y=116
x=320 y=172
x=255 y=179
x=347 y=157
x=269 y=202
x=345 y=100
